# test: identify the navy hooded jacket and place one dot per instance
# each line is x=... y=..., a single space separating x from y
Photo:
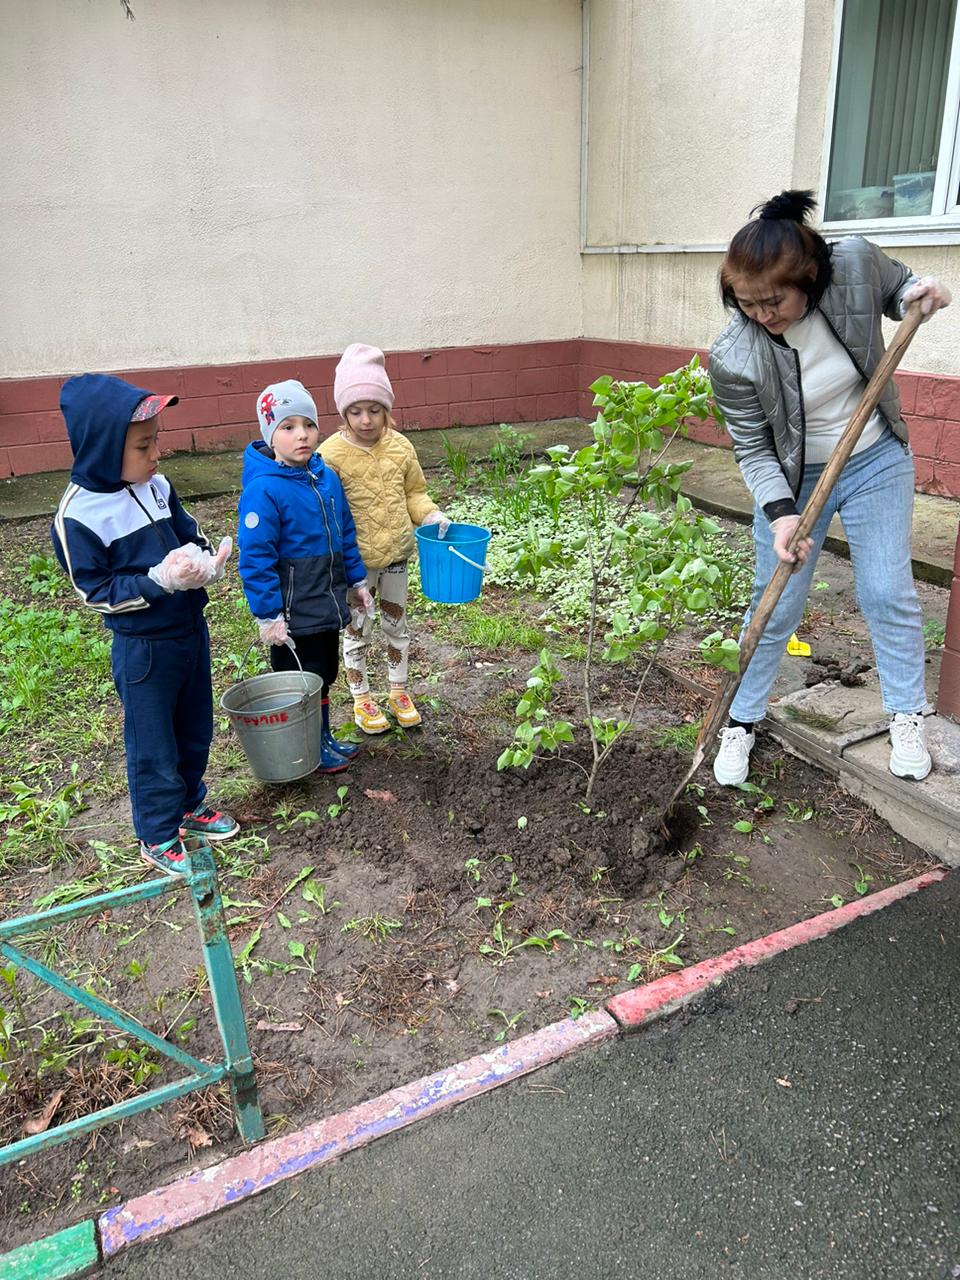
x=107 y=534
x=298 y=543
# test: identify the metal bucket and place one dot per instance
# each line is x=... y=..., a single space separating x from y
x=276 y=718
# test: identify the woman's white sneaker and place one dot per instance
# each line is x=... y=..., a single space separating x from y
x=732 y=762
x=909 y=757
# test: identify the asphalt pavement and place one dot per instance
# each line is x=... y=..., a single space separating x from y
x=799 y=1123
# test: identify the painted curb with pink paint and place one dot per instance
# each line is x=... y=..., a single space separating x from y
x=634 y=1008
x=204 y=1191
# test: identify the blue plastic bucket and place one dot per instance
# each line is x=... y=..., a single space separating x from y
x=451 y=568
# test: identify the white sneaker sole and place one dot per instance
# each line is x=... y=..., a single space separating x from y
x=371 y=733
x=910 y=773
x=731 y=779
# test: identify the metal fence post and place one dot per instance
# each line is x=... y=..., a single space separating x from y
x=218 y=959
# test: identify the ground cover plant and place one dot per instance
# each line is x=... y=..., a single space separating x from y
x=423 y=906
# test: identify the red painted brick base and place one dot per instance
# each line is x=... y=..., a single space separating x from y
x=452 y=386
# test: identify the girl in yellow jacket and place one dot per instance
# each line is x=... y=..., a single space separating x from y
x=387 y=494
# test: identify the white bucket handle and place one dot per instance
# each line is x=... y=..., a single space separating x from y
x=466 y=559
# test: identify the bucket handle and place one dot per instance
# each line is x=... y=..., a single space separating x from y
x=293 y=649
x=467 y=560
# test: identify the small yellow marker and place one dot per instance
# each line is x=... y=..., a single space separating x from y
x=797 y=649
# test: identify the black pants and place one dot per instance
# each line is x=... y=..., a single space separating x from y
x=319 y=653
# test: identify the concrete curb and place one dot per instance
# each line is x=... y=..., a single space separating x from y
x=204 y=1191
x=634 y=1008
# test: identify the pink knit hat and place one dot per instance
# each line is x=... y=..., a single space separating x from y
x=360 y=375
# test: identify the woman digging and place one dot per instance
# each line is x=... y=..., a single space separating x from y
x=787 y=372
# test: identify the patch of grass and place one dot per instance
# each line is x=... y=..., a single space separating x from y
x=51 y=661
x=116 y=868
x=235 y=649
x=376 y=927
x=477 y=628
x=457 y=461
x=34 y=823
x=681 y=737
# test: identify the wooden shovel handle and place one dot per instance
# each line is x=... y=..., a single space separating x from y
x=811 y=513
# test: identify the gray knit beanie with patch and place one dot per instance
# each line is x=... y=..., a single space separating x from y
x=283 y=400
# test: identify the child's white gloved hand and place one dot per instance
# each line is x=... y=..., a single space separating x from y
x=215 y=564
x=438 y=518
x=273 y=630
x=181 y=569
x=930 y=293
x=360 y=597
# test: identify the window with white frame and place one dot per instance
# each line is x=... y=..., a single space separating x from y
x=894 y=136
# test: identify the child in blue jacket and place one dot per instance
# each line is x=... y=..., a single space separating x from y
x=138 y=558
x=298 y=548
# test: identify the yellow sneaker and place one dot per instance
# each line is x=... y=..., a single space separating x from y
x=401 y=704
x=368 y=716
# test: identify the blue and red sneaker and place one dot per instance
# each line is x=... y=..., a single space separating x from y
x=209 y=822
x=170 y=857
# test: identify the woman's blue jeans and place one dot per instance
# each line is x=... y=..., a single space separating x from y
x=874 y=500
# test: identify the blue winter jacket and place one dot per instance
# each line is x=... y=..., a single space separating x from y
x=298 y=544
x=107 y=534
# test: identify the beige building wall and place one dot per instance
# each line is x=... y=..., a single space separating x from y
x=698 y=111
x=229 y=180
x=219 y=182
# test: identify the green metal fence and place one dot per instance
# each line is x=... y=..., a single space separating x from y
x=237 y=1065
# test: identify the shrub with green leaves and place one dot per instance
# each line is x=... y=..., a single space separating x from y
x=658 y=551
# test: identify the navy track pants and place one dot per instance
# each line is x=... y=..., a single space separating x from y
x=167 y=697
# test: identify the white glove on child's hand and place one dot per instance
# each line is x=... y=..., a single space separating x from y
x=273 y=630
x=438 y=518
x=932 y=295
x=360 y=598
x=216 y=564
x=181 y=569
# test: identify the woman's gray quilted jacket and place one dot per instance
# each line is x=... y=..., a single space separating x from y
x=756 y=381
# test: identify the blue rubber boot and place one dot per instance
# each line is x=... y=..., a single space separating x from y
x=330 y=744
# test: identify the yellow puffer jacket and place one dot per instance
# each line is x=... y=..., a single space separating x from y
x=386 y=492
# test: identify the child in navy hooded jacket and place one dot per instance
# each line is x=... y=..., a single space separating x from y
x=298 y=548
x=137 y=557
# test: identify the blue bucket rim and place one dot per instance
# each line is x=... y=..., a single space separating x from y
x=430 y=532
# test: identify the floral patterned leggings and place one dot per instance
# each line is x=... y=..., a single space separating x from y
x=391 y=586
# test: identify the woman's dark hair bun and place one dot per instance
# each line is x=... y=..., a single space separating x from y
x=778 y=244
x=796 y=206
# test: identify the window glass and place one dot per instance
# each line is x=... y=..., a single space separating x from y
x=891 y=89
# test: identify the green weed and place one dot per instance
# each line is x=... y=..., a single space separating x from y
x=458 y=464
x=35 y=824
x=510 y=1021
x=476 y=627
x=376 y=927
x=934 y=634
x=681 y=737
